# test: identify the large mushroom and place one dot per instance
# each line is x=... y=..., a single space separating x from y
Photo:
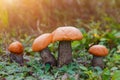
x=40 y=44
x=16 y=52
x=65 y=35
x=98 y=52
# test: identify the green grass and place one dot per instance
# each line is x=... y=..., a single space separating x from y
x=80 y=67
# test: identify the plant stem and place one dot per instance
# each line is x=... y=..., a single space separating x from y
x=17 y=58
x=64 y=53
x=97 y=61
x=47 y=57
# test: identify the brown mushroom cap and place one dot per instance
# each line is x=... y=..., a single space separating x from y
x=41 y=42
x=98 y=50
x=16 y=48
x=67 y=33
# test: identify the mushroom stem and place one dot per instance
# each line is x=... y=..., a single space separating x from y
x=17 y=58
x=64 y=53
x=47 y=57
x=97 y=61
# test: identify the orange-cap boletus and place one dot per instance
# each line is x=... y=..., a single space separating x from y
x=40 y=44
x=98 y=52
x=16 y=52
x=65 y=35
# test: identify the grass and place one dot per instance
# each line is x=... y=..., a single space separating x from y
x=28 y=18
x=80 y=68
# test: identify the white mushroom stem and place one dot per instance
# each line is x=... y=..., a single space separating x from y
x=64 y=53
x=17 y=58
x=47 y=57
x=97 y=61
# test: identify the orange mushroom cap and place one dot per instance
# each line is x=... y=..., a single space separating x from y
x=16 y=47
x=41 y=42
x=67 y=33
x=98 y=50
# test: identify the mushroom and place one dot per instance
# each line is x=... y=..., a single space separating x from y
x=16 y=52
x=65 y=35
x=40 y=45
x=98 y=52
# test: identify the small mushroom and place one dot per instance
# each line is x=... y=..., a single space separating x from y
x=65 y=35
x=98 y=52
x=16 y=52
x=40 y=44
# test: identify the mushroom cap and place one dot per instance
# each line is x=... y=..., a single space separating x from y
x=98 y=50
x=67 y=33
x=41 y=42
x=16 y=47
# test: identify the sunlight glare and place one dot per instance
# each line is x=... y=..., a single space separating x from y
x=9 y=2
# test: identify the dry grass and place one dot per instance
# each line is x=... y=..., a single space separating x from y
x=45 y=15
x=33 y=17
